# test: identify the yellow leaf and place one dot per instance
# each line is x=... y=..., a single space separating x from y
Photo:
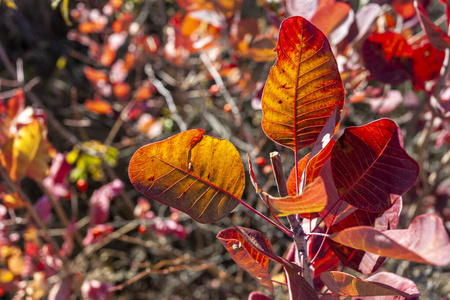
x=6 y=276
x=18 y=153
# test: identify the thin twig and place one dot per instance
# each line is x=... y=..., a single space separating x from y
x=167 y=95
x=26 y=88
x=296 y=227
x=218 y=79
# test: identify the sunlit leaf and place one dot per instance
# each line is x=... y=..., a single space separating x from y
x=246 y=256
x=197 y=174
x=425 y=241
x=348 y=285
x=369 y=165
x=303 y=88
x=313 y=199
x=309 y=166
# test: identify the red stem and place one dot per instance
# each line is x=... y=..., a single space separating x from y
x=283 y=229
x=348 y=260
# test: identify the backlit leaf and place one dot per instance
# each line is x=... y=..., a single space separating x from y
x=425 y=241
x=314 y=161
x=197 y=174
x=303 y=88
x=246 y=256
x=369 y=165
x=348 y=285
x=313 y=199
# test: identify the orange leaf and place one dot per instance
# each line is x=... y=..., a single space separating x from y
x=425 y=241
x=348 y=285
x=108 y=55
x=13 y=201
x=197 y=174
x=329 y=17
x=95 y=76
x=98 y=106
x=313 y=199
x=121 y=90
x=39 y=168
x=303 y=87
x=261 y=49
x=91 y=27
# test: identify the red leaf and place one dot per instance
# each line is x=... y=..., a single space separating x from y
x=348 y=285
x=298 y=287
x=425 y=241
x=319 y=154
x=369 y=165
x=246 y=256
x=100 y=200
x=437 y=37
x=303 y=88
x=397 y=282
x=258 y=296
x=388 y=57
x=333 y=212
x=427 y=64
x=357 y=259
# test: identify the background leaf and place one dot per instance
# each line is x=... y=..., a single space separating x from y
x=303 y=88
x=388 y=57
x=197 y=174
